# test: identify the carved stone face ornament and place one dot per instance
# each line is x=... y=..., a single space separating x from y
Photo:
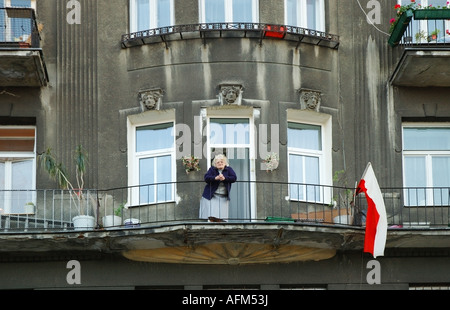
x=150 y=99
x=310 y=99
x=231 y=94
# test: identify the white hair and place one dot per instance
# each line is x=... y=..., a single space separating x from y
x=220 y=156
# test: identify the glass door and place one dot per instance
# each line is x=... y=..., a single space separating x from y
x=231 y=137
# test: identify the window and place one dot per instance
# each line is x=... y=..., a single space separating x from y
x=426 y=164
x=308 y=14
x=17 y=168
x=309 y=144
x=151 y=161
x=150 y=14
x=238 y=11
x=305 y=152
x=15 y=27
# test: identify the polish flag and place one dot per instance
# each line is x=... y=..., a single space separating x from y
x=376 y=220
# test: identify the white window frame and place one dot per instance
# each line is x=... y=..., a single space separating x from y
x=324 y=155
x=244 y=113
x=9 y=158
x=153 y=15
x=428 y=155
x=229 y=11
x=33 y=3
x=147 y=119
x=302 y=16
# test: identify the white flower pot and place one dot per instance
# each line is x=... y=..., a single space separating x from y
x=112 y=220
x=343 y=219
x=83 y=222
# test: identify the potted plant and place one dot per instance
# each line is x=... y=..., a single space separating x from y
x=421 y=36
x=434 y=34
x=114 y=219
x=271 y=162
x=343 y=202
x=29 y=207
x=190 y=163
x=58 y=172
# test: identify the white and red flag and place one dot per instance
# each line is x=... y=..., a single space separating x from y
x=376 y=220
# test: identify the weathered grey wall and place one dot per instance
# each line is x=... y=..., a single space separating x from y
x=344 y=271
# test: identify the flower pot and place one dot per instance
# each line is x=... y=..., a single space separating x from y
x=400 y=27
x=29 y=208
x=112 y=220
x=83 y=222
x=343 y=219
x=432 y=14
x=132 y=222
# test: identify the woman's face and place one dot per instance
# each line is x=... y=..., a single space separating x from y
x=220 y=164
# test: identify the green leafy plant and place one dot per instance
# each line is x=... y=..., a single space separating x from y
x=190 y=163
x=58 y=172
x=119 y=209
x=271 y=161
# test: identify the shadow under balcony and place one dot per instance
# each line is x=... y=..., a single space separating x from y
x=425 y=40
x=21 y=59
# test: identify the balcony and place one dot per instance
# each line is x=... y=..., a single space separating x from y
x=424 y=36
x=21 y=58
x=208 y=31
x=269 y=222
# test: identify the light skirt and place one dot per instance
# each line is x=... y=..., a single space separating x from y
x=217 y=207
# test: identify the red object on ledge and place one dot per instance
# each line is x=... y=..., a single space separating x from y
x=274 y=31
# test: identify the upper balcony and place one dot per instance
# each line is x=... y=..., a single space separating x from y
x=21 y=58
x=208 y=31
x=424 y=35
x=267 y=222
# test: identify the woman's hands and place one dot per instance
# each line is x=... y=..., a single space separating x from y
x=220 y=177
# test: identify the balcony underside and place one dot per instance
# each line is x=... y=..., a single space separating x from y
x=22 y=68
x=218 y=243
x=422 y=67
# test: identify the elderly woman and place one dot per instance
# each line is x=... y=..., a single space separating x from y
x=216 y=195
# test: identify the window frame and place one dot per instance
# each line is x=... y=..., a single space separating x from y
x=10 y=157
x=152 y=15
x=302 y=16
x=428 y=156
x=228 y=12
x=134 y=157
x=324 y=155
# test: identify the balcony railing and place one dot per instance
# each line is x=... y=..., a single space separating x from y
x=150 y=205
x=423 y=27
x=242 y=30
x=18 y=28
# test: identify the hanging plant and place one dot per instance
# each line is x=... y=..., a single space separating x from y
x=190 y=163
x=271 y=161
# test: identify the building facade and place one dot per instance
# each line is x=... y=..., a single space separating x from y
x=141 y=84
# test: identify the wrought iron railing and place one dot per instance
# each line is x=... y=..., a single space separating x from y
x=251 y=30
x=18 y=28
x=250 y=202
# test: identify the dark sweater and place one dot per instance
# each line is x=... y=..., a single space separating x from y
x=212 y=184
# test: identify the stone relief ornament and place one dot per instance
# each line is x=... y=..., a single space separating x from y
x=310 y=99
x=150 y=99
x=230 y=94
